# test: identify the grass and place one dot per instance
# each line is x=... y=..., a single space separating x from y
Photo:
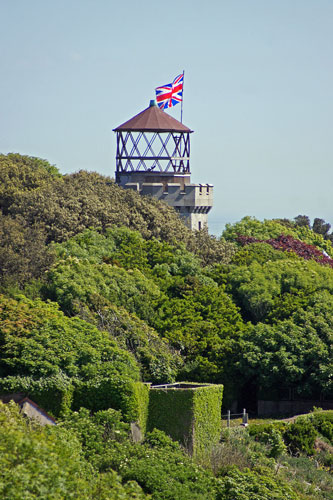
x=307 y=476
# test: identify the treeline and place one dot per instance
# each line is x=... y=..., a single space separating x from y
x=251 y=310
x=102 y=289
x=39 y=206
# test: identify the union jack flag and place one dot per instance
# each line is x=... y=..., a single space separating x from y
x=171 y=94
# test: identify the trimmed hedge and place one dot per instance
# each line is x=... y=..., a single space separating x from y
x=59 y=394
x=188 y=413
x=124 y=394
x=207 y=403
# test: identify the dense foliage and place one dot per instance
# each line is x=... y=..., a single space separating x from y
x=44 y=353
x=285 y=294
x=90 y=456
x=35 y=197
x=288 y=243
x=97 y=275
x=102 y=290
x=250 y=226
x=48 y=464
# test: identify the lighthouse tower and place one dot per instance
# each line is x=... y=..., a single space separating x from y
x=153 y=158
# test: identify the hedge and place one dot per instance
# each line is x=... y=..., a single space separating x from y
x=59 y=394
x=188 y=413
x=54 y=394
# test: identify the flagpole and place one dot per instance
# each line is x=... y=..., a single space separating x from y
x=181 y=113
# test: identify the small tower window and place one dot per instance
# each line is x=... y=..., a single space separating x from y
x=199 y=225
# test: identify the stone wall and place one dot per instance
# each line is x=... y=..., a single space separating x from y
x=192 y=201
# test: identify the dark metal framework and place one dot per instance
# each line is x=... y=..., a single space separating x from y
x=153 y=151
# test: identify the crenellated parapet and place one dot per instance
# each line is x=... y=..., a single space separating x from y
x=192 y=201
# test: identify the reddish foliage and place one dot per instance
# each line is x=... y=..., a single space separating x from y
x=290 y=244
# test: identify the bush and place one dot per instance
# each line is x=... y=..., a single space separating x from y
x=159 y=362
x=254 y=485
x=270 y=435
x=323 y=422
x=48 y=464
x=163 y=470
x=117 y=392
x=300 y=437
x=98 y=433
x=158 y=464
x=30 y=333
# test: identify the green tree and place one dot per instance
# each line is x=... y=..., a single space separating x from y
x=23 y=252
x=321 y=227
x=66 y=205
x=76 y=283
x=303 y=220
x=43 y=352
x=158 y=361
x=267 y=229
x=257 y=287
x=286 y=355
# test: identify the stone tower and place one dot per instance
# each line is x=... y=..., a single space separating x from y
x=153 y=158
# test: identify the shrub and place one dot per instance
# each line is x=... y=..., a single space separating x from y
x=270 y=435
x=323 y=422
x=47 y=463
x=97 y=433
x=54 y=393
x=117 y=392
x=159 y=362
x=254 y=485
x=300 y=437
x=290 y=244
x=163 y=470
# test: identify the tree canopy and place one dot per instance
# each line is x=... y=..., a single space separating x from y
x=102 y=290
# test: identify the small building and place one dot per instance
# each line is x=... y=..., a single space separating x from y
x=189 y=413
x=153 y=158
x=29 y=408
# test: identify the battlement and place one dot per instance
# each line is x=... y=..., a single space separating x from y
x=190 y=200
x=192 y=195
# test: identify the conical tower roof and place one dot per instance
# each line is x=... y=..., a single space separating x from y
x=152 y=119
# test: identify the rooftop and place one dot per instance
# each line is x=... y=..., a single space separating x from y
x=152 y=119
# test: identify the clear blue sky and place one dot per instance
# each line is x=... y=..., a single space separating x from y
x=258 y=91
